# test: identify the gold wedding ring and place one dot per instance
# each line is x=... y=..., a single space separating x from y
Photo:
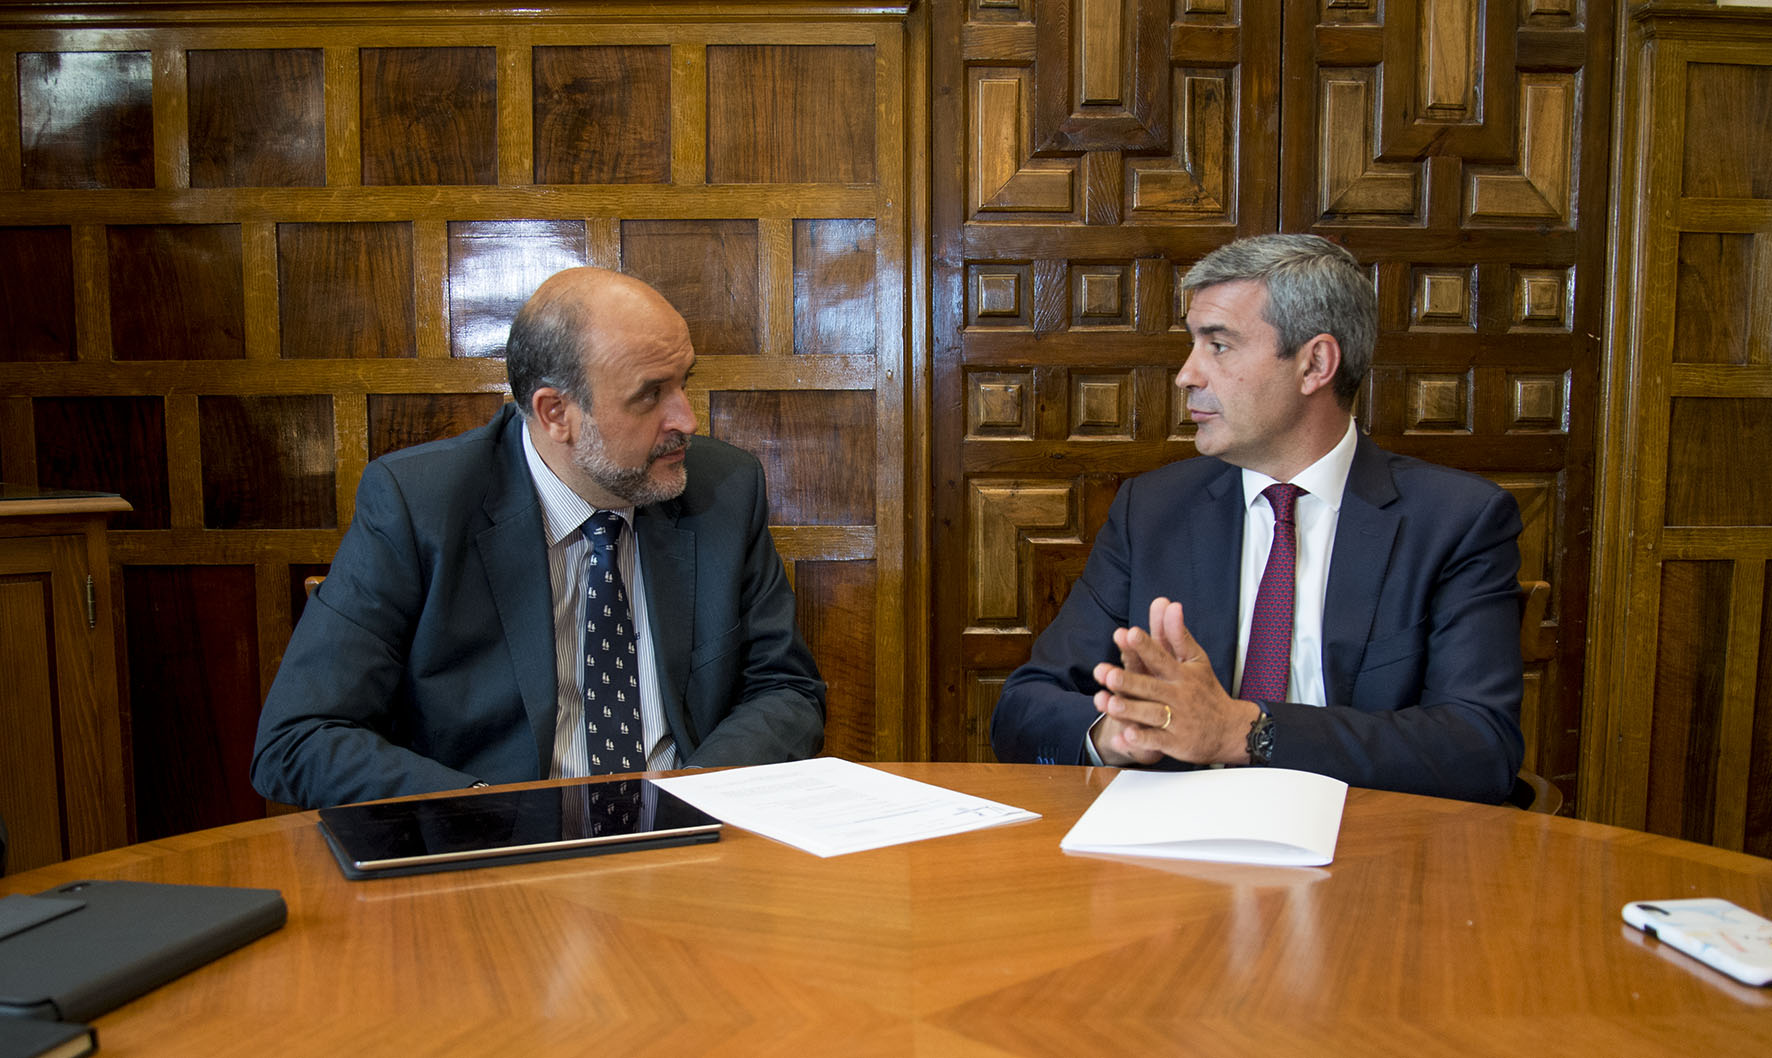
x=1167 y=716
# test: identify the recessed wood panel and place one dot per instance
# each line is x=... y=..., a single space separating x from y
x=835 y=608
x=37 y=298
x=796 y=114
x=817 y=449
x=86 y=119
x=1689 y=670
x=1101 y=296
x=1443 y=298
x=177 y=292
x=1728 y=125
x=268 y=462
x=429 y=115
x=1197 y=181
x=999 y=404
x=1716 y=456
x=603 y=115
x=493 y=268
x=1101 y=405
x=1001 y=515
x=707 y=269
x=106 y=444
x=999 y=295
x=194 y=695
x=1544 y=299
x=1724 y=288
x=1439 y=403
x=836 y=308
x=401 y=420
x=346 y=291
x=257 y=118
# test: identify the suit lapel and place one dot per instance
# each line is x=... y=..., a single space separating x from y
x=1364 y=535
x=509 y=550
x=667 y=561
x=1215 y=572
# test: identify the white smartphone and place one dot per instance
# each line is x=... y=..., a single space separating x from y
x=1715 y=932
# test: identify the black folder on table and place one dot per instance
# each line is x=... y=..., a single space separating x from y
x=76 y=951
x=31 y=1038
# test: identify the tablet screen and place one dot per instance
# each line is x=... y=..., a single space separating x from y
x=466 y=830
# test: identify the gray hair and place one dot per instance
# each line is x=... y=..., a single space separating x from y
x=545 y=348
x=1313 y=287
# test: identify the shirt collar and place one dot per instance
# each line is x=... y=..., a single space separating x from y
x=563 y=511
x=1326 y=479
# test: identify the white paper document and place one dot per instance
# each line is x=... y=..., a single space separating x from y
x=1231 y=815
x=829 y=807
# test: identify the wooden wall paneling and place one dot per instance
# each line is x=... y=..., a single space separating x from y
x=257 y=117
x=329 y=226
x=177 y=291
x=1083 y=155
x=86 y=119
x=37 y=300
x=194 y=694
x=36 y=832
x=1680 y=653
x=347 y=290
x=429 y=115
x=1460 y=148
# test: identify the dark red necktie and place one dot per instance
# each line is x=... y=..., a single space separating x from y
x=1268 y=664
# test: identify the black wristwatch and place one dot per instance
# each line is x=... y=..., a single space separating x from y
x=1261 y=737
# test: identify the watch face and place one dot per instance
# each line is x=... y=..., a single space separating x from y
x=1261 y=739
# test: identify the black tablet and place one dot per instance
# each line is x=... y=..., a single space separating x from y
x=491 y=827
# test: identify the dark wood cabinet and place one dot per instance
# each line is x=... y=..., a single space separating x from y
x=62 y=778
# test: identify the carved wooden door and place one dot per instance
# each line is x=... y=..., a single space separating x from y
x=1088 y=151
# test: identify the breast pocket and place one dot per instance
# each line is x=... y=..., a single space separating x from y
x=716 y=648
x=1394 y=649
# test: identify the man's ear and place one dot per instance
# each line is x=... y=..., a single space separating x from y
x=553 y=414
x=1318 y=360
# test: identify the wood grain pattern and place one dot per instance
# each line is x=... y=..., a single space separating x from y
x=990 y=943
x=86 y=119
x=194 y=695
x=811 y=445
x=707 y=269
x=836 y=611
x=267 y=462
x=1728 y=115
x=106 y=444
x=400 y=420
x=176 y=292
x=37 y=299
x=790 y=114
x=346 y=291
x=257 y=118
x=603 y=115
x=1706 y=483
x=493 y=268
x=1689 y=665
x=30 y=791
x=1723 y=279
x=836 y=298
x=429 y=116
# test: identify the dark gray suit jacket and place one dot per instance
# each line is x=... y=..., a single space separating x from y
x=426 y=659
x=1421 y=624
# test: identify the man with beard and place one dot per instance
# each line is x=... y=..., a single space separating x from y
x=1307 y=600
x=579 y=587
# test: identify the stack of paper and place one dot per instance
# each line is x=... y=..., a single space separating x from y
x=1232 y=815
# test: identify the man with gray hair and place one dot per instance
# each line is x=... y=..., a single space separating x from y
x=1308 y=600
x=578 y=587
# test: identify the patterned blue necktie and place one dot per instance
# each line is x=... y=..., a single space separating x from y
x=613 y=739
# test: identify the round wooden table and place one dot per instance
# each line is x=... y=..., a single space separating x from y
x=1442 y=928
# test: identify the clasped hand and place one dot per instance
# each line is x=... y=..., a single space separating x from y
x=1163 y=699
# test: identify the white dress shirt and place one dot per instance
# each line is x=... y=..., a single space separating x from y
x=563 y=513
x=1315 y=515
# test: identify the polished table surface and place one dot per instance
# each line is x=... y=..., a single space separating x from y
x=1442 y=928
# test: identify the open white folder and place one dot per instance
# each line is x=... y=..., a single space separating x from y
x=1231 y=815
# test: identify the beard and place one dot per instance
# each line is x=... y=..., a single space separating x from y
x=636 y=485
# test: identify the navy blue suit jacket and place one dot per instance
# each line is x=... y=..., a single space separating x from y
x=1421 y=624
x=426 y=659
